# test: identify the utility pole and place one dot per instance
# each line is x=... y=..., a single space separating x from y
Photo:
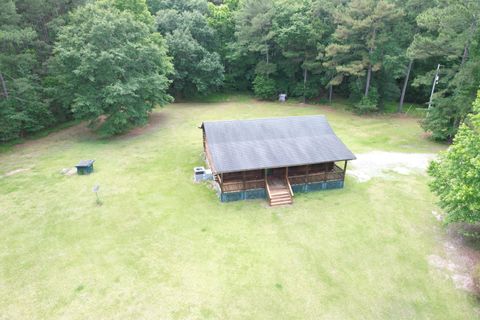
x=4 y=86
x=435 y=82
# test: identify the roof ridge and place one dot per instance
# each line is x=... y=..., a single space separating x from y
x=270 y=118
x=326 y=135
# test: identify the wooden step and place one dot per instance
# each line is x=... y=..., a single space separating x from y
x=283 y=197
x=280 y=196
x=284 y=191
x=280 y=203
x=280 y=200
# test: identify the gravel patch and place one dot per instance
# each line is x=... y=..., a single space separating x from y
x=380 y=163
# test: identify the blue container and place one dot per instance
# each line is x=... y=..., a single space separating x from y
x=85 y=167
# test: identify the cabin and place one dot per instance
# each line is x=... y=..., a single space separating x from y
x=274 y=158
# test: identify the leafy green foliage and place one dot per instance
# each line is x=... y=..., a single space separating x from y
x=197 y=71
x=190 y=39
x=456 y=175
x=449 y=35
x=255 y=33
x=138 y=8
x=364 y=28
x=22 y=110
x=178 y=5
x=300 y=36
x=367 y=104
x=107 y=63
x=264 y=87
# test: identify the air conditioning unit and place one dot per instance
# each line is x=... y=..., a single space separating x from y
x=202 y=174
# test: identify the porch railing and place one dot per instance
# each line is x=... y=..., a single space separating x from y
x=336 y=174
x=239 y=185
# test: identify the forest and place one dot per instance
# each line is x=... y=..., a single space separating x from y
x=112 y=61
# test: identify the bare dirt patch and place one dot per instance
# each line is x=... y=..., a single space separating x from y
x=82 y=131
x=380 y=163
x=155 y=120
x=16 y=171
x=460 y=258
x=69 y=171
x=68 y=134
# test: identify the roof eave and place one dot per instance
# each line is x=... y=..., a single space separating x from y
x=283 y=166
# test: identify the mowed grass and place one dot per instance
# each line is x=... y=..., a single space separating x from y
x=161 y=247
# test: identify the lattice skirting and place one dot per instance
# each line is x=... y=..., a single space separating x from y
x=297 y=188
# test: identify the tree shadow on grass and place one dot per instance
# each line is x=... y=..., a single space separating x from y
x=80 y=132
x=155 y=121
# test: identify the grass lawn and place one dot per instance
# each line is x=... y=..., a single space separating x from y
x=161 y=247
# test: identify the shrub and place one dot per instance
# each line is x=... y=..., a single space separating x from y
x=264 y=88
x=367 y=104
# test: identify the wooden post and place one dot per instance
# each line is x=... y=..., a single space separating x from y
x=243 y=178
x=306 y=175
x=221 y=182
x=344 y=169
x=265 y=177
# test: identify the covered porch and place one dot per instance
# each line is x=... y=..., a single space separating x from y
x=295 y=175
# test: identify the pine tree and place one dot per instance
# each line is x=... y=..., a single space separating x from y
x=363 y=29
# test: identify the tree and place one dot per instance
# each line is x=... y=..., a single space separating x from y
x=456 y=174
x=255 y=32
x=221 y=18
x=406 y=30
x=447 y=36
x=22 y=109
x=138 y=8
x=197 y=71
x=107 y=63
x=299 y=35
x=178 y=5
x=363 y=29
x=191 y=43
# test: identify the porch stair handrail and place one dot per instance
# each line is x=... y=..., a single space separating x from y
x=289 y=186
x=267 y=188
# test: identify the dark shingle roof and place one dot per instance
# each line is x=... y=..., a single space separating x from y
x=238 y=145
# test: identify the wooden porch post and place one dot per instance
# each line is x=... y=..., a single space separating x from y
x=243 y=179
x=221 y=182
x=344 y=169
x=265 y=177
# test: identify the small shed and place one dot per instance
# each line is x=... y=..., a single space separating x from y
x=85 y=167
x=273 y=158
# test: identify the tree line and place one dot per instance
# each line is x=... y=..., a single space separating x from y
x=112 y=61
